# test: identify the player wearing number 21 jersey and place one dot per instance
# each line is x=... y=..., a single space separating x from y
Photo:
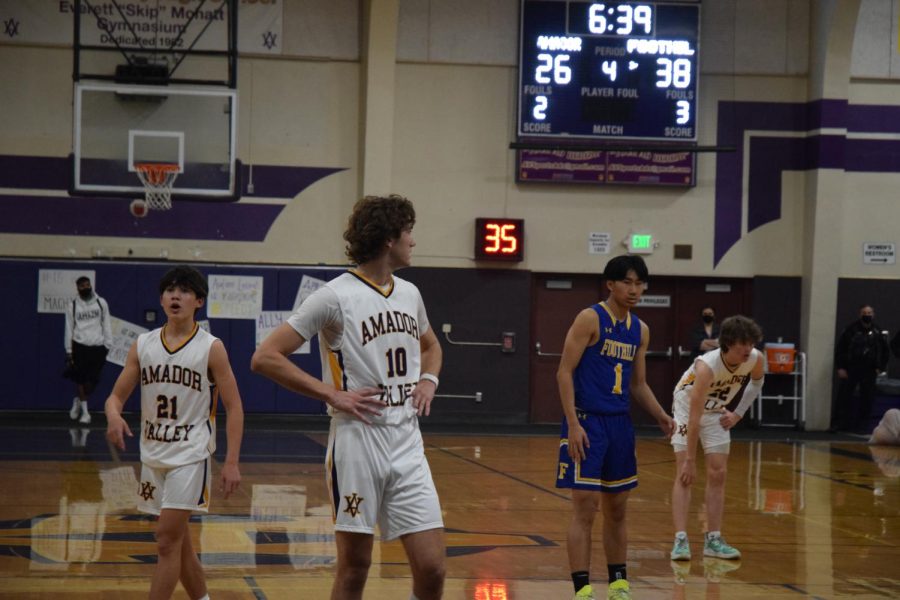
x=178 y=413
x=175 y=367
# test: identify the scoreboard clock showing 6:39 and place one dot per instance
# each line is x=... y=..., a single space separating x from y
x=609 y=70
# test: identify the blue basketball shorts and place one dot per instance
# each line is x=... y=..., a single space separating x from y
x=610 y=464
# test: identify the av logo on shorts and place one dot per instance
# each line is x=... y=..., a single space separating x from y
x=682 y=429
x=353 y=503
x=147 y=490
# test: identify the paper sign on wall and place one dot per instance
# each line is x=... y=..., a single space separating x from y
x=877 y=253
x=655 y=301
x=266 y=323
x=234 y=297
x=307 y=286
x=599 y=243
x=57 y=289
x=125 y=334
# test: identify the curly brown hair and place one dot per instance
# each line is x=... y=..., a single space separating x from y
x=375 y=221
x=738 y=330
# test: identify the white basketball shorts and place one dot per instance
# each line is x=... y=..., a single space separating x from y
x=713 y=437
x=378 y=474
x=183 y=488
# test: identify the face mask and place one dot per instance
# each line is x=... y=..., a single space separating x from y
x=708 y=319
x=866 y=319
x=86 y=293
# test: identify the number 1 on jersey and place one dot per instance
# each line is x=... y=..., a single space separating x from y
x=617 y=386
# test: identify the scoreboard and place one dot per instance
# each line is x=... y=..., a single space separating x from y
x=608 y=70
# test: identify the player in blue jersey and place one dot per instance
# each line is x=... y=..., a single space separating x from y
x=602 y=368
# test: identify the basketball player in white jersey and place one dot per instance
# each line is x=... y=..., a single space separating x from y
x=176 y=367
x=705 y=389
x=381 y=362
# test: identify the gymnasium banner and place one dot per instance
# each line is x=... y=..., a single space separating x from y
x=145 y=23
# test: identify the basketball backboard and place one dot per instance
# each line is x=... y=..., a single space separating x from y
x=117 y=126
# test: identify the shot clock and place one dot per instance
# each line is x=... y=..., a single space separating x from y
x=499 y=239
x=609 y=70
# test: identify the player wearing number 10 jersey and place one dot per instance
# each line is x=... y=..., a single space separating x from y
x=602 y=368
x=380 y=363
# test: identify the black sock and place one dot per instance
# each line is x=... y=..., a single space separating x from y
x=616 y=572
x=580 y=579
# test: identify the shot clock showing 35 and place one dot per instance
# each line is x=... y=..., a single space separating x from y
x=608 y=70
x=499 y=239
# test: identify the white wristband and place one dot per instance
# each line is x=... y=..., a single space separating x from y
x=429 y=377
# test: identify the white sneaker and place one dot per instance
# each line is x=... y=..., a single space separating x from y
x=85 y=418
x=76 y=408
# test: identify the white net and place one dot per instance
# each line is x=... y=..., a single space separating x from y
x=157 y=179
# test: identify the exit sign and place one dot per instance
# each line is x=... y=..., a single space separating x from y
x=640 y=243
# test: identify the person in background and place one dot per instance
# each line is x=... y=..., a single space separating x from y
x=705 y=335
x=860 y=355
x=87 y=340
x=887 y=433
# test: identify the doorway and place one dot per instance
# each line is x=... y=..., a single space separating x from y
x=671 y=307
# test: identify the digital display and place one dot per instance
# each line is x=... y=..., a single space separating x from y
x=499 y=239
x=608 y=70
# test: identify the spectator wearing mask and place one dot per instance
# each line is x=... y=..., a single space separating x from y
x=861 y=353
x=705 y=335
x=88 y=338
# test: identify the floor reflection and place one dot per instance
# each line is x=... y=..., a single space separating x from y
x=812 y=519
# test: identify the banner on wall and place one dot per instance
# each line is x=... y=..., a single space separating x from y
x=268 y=321
x=605 y=167
x=144 y=24
x=125 y=334
x=234 y=297
x=57 y=289
x=307 y=286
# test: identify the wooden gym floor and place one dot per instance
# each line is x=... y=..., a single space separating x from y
x=814 y=518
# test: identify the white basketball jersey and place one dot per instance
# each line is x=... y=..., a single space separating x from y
x=378 y=345
x=177 y=406
x=725 y=384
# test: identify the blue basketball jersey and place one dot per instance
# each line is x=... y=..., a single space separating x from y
x=603 y=375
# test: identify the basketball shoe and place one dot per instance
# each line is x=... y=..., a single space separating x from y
x=681 y=550
x=585 y=593
x=717 y=547
x=618 y=590
x=76 y=408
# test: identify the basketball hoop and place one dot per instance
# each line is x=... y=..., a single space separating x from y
x=157 y=179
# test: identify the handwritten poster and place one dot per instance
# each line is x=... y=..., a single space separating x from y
x=307 y=286
x=57 y=289
x=234 y=297
x=124 y=335
x=268 y=321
